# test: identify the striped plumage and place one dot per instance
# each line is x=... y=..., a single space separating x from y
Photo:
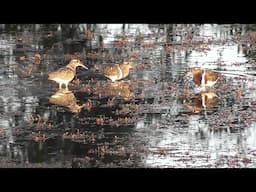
x=115 y=72
x=66 y=74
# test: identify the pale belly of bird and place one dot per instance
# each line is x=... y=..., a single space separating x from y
x=114 y=77
x=59 y=80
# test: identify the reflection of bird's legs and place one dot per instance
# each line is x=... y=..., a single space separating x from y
x=204 y=106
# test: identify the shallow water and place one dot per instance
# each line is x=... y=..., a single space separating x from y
x=146 y=120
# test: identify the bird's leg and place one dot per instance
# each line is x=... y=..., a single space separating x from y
x=66 y=86
x=60 y=85
x=203 y=79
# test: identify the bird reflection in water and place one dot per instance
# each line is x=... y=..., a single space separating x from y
x=67 y=99
x=115 y=89
x=203 y=78
x=201 y=101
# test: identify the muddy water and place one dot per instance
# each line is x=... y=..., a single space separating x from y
x=153 y=118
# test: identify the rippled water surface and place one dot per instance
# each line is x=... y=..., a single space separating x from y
x=152 y=118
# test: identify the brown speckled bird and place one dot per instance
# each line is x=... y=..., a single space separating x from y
x=202 y=77
x=65 y=74
x=115 y=71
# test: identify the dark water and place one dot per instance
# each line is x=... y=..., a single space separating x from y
x=146 y=120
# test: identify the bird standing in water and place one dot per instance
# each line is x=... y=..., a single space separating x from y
x=66 y=74
x=202 y=77
x=115 y=72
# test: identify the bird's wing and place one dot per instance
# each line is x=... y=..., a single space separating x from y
x=211 y=76
x=62 y=73
x=112 y=70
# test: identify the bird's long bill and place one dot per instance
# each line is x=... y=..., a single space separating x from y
x=80 y=64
